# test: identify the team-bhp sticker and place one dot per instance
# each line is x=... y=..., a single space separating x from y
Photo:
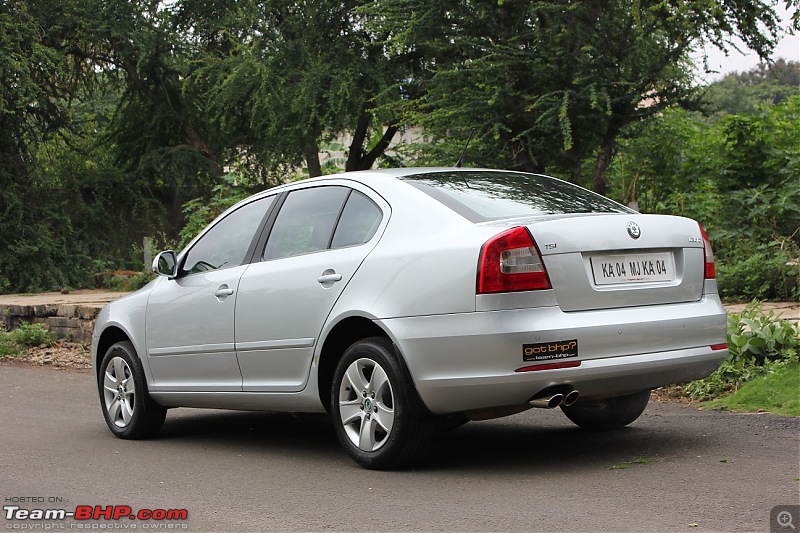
x=546 y=351
x=88 y=514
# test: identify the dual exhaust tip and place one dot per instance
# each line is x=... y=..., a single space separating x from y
x=553 y=400
x=547 y=400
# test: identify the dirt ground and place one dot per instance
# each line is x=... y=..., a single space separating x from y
x=787 y=310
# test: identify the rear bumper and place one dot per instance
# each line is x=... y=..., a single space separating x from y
x=470 y=360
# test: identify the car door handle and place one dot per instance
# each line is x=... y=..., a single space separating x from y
x=223 y=291
x=329 y=277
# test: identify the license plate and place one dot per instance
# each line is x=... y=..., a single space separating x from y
x=633 y=268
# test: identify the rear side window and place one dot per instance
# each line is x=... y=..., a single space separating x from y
x=484 y=196
x=305 y=222
x=358 y=223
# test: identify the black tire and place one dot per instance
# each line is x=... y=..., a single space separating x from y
x=607 y=413
x=378 y=416
x=129 y=411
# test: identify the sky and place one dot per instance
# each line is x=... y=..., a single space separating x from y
x=788 y=48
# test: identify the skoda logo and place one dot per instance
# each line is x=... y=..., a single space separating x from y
x=633 y=230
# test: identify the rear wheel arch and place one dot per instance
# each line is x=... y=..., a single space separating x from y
x=339 y=339
x=376 y=412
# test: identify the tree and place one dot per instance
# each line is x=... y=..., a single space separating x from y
x=766 y=84
x=162 y=138
x=68 y=207
x=280 y=78
x=549 y=84
x=35 y=78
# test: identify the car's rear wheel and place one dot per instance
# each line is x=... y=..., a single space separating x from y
x=378 y=416
x=127 y=408
x=607 y=413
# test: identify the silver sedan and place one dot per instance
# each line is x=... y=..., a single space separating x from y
x=408 y=301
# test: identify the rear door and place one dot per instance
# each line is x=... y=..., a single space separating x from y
x=319 y=239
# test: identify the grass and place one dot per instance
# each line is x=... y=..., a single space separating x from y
x=777 y=392
x=637 y=461
x=762 y=371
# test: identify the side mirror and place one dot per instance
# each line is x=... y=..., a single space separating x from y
x=166 y=264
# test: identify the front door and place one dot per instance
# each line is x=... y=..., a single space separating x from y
x=190 y=319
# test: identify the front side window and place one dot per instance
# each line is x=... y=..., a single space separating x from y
x=225 y=245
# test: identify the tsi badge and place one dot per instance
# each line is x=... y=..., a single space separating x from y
x=545 y=351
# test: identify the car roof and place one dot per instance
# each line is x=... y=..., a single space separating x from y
x=367 y=177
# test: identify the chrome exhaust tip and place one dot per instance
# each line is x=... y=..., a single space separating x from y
x=571 y=398
x=547 y=402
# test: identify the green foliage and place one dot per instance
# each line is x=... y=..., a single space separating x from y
x=759 y=270
x=775 y=392
x=130 y=283
x=31 y=335
x=759 y=343
x=746 y=92
x=278 y=79
x=550 y=84
x=26 y=336
x=116 y=113
x=8 y=348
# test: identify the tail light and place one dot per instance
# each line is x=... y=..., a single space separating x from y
x=511 y=262
x=711 y=270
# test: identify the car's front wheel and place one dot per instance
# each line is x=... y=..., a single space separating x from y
x=607 y=413
x=378 y=416
x=129 y=411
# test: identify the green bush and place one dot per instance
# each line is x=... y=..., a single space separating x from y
x=759 y=343
x=758 y=271
x=30 y=335
x=8 y=348
x=16 y=342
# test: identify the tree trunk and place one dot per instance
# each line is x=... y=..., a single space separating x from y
x=357 y=159
x=312 y=158
x=603 y=160
x=194 y=140
x=380 y=147
x=357 y=145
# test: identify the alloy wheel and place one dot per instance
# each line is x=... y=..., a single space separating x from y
x=366 y=404
x=119 y=392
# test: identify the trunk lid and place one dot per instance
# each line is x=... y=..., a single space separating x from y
x=609 y=261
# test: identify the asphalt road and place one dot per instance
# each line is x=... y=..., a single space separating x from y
x=676 y=469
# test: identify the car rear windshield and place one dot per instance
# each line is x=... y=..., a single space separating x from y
x=484 y=196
